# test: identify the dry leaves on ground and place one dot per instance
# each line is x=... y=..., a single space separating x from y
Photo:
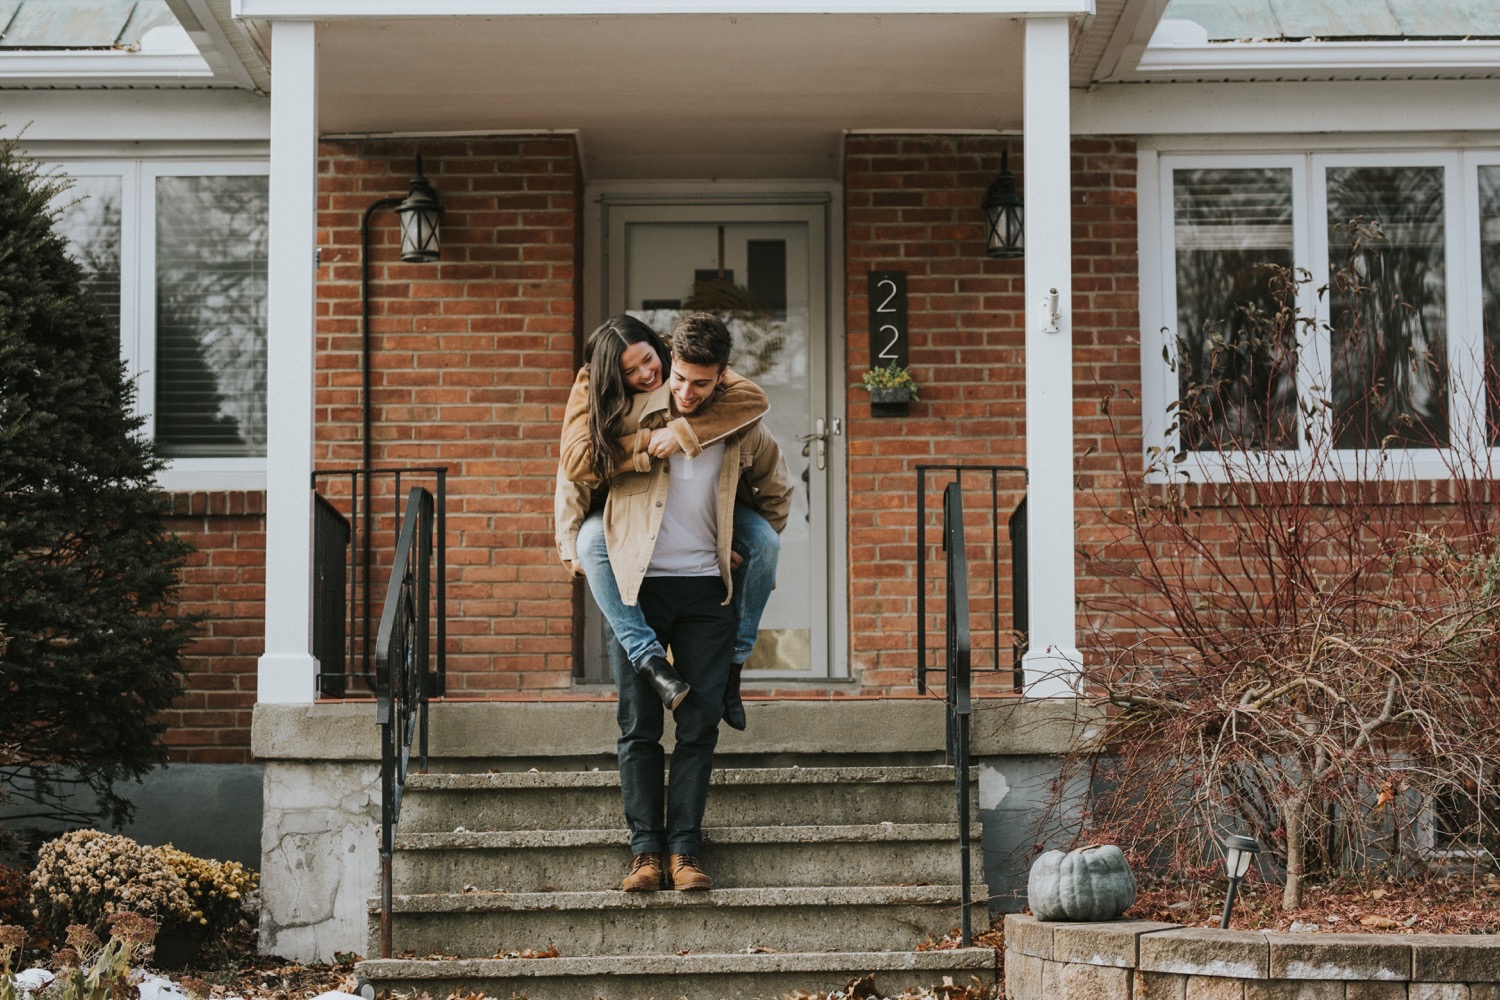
x=1467 y=903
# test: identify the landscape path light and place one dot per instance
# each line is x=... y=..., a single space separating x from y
x=1239 y=852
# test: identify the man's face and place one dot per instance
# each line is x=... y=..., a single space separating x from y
x=692 y=385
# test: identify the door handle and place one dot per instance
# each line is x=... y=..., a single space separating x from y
x=820 y=435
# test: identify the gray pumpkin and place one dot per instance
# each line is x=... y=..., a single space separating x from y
x=1091 y=883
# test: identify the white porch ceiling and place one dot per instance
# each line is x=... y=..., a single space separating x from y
x=676 y=97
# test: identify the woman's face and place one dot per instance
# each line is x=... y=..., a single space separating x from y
x=640 y=367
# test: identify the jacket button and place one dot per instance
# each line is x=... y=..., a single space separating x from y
x=658 y=503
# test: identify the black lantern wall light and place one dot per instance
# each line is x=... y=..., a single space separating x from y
x=1002 y=207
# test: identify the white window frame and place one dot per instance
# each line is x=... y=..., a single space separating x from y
x=138 y=302
x=1463 y=323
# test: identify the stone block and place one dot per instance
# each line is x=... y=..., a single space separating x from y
x=1113 y=942
x=1097 y=982
x=1455 y=958
x=1294 y=989
x=1159 y=986
x=1028 y=935
x=1374 y=991
x=1023 y=977
x=1345 y=957
x=1214 y=988
x=1484 y=991
x=1207 y=952
x=1438 y=991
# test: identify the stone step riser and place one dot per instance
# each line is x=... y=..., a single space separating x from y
x=671 y=930
x=697 y=986
x=528 y=869
x=428 y=811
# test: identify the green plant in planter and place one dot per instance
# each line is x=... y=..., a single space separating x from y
x=893 y=382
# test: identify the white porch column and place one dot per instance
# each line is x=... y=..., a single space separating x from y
x=1052 y=660
x=288 y=672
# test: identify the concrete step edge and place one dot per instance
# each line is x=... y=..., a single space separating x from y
x=977 y=958
x=488 y=901
x=832 y=834
x=897 y=775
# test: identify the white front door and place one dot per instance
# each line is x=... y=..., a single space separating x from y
x=763 y=269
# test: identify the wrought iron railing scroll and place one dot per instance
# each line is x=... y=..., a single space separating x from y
x=401 y=678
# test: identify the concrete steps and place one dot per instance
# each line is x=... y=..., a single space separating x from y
x=821 y=874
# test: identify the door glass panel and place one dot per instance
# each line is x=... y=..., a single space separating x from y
x=756 y=276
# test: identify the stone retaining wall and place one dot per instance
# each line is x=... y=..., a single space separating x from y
x=1146 y=960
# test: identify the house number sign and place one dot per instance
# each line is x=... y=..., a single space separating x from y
x=888 y=339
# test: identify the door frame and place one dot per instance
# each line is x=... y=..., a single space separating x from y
x=759 y=200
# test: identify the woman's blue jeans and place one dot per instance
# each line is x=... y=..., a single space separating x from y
x=754 y=539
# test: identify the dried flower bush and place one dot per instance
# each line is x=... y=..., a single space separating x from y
x=15 y=895
x=90 y=970
x=220 y=891
x=84 y=876
x=1306 y=650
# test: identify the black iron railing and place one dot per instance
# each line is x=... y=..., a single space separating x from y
x=958 y=650
x=1006 y=645
x=401 y=679
x=344 y=571
x=957 y=699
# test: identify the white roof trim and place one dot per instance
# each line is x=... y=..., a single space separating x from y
x=61 y=68
x=323 y=10
x=1311 y=60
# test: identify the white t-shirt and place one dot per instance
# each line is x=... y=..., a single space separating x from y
x=688 y=543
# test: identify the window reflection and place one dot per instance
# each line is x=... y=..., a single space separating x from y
x=1489 y=269
x=211 y=286
x=1387 y=306
x=1236 y=354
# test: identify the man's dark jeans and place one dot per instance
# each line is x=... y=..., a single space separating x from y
x=688 y=615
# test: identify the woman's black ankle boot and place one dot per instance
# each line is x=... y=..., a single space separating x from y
x=664 y=679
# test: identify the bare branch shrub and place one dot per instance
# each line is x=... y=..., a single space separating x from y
x=1307 y=648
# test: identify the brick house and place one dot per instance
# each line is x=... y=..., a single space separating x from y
x=577 y=150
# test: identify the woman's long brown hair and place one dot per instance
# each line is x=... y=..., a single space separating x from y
x=609 y=396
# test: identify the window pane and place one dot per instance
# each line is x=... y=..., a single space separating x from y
x=89 y=219
x=1237 y=352
x=211 y=274
x=1489 y=264
x=1387 y=297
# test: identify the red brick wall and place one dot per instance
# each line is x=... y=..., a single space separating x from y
x=472 y=357
x=912 y=204
x=225 y=577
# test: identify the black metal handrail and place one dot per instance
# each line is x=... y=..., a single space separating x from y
x=401 y=678
x=344 y=578
x=958 y=648
x=957 y=699
x=1018 y=583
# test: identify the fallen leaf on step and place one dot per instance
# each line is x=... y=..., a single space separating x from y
x=1379 y=922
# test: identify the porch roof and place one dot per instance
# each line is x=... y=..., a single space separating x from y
x=675 y=90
